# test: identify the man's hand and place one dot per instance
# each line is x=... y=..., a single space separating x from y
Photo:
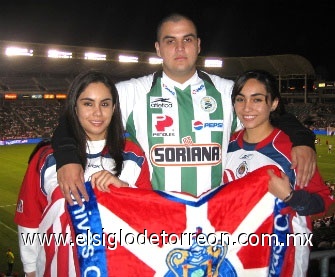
x=304 y=161
x=71 y=180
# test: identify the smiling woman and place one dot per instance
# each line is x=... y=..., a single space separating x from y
x=257 y=102
x=107 y=158
x=94 y=112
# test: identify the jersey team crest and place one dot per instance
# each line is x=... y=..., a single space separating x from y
x=208 y=104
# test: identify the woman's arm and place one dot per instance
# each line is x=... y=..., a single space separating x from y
x=136 y=169
x=103 y=179
x=302 y=201
x=28 y=251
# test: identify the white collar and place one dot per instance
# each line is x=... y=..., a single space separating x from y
x=173 y=83
x=95 y=146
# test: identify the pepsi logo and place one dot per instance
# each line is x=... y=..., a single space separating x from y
x=198 y=125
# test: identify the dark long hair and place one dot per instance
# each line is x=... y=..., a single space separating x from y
x=270 y=83
x=115 y=139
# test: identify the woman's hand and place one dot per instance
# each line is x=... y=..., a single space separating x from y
x=279 y=186
x=103 y=179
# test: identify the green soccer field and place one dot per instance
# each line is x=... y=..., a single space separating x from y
x=13 y=163
x=326 y=161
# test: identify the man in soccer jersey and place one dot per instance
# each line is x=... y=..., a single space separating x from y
x=183 y=119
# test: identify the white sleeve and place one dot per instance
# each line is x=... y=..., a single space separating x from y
x=130 y=173
x=28 y=248
x=225 y=86
x=129 y=93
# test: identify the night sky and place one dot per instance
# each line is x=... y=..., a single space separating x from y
x=233 y=28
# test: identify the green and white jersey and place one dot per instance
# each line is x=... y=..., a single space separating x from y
x=184 y=129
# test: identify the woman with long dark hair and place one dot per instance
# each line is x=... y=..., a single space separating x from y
x=107 y=159
x=257 y=103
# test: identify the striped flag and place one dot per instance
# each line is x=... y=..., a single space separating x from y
x=135 y=232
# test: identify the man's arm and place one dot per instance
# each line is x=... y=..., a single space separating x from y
x=298 y=133
x=303 y=150
x=64 y=145
x=70 y=173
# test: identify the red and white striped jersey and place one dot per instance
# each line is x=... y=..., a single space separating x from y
x=41 y=212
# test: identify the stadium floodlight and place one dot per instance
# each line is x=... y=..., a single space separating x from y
x=61 y=96
x=153 y=60
x=48 y=96
x=10 y=96
x=128 y=59
x=213 y=63
x=59 y=54
x=95 y=56
x=37 y=96
x=17 y=51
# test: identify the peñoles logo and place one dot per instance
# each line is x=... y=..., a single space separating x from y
x=163 y=121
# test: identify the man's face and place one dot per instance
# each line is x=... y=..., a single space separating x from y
x=179 y=47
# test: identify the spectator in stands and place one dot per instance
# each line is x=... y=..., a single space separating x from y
x=163 y=109
x=257 y=103
x=94 y=112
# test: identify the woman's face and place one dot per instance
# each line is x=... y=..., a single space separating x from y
x=253 y=105
x=94 y=108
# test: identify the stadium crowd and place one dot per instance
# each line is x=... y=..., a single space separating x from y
x=35 y=118
x=21 y=119
x=316 y=116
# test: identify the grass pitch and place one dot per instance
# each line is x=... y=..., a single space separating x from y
x=13 y=164
x=14 y=161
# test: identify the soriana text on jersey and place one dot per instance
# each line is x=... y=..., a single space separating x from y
x=185 y=155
